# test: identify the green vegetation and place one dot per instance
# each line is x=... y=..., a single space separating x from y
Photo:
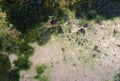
x=84 y=9
x=27 y=21
x=40 y=70
x=25 y=14
x=117 y=77
x=6 y=72
x=14 y=75
x=22 y=63
x=4 y=67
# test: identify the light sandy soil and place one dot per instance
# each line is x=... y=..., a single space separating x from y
x=94 y=56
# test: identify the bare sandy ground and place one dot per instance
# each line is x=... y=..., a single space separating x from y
x=94 y=56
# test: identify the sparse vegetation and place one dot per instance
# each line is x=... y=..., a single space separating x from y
x=117 y=77
x=23 y=22
x=22 y=63
x=40 y=71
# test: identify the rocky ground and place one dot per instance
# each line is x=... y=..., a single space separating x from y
x=81 y=53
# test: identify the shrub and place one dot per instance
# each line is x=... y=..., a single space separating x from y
x=24 y=48
x=117 y=77
x=40 y=69
x=22 y=63
x=4 y=67
x=4 y=61
x=14 y=75
x=84 y=9
x=25 y=14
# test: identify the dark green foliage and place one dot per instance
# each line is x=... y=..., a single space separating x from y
x=27 y=13
x=24 y=48
x=22 y=63
x=40 y=69
x=117 y=77
x=5 y=46
x=60 y=14
x=4 y=67
x=4 y=62
x=6 y=74
x=17 y=47
x=84 y=9
x=97 y=9
x=24 y=16
x=14 y=75
x=0 y=44
x=107 y=8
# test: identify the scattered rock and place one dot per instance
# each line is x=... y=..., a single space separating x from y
x=96 y=49
x=118 y=45
x=63 y=49
x=114 y=32
x=94 y=55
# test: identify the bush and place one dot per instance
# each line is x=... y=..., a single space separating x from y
x=117 y=77
x=4 y=67
x=25 y=14
x=4 y=61
x=14 y=75
x=0 y=44
x=40 y=69
x=24 y=48
x=84 y=9
x=22 y=63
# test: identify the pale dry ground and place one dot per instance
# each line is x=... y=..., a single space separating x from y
x=94 y=56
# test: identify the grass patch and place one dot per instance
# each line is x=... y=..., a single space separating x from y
x=40 y=73
x=40 y=69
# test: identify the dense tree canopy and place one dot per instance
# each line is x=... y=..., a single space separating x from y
x=25 y=14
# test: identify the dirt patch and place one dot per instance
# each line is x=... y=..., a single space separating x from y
x=93 y=56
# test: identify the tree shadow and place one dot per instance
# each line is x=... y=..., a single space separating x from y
x=96 y=9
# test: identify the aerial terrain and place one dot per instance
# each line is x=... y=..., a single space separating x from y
x=59 y=40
